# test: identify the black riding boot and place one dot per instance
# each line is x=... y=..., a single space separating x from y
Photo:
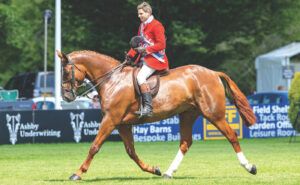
x=147 y=101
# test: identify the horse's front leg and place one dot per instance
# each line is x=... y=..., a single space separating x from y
x=125 y=132
x=106 y=127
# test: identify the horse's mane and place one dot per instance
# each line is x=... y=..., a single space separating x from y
x=89 y=52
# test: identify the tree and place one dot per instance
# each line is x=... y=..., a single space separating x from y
x=294 y=98
x=221 y=35
x=23 y=32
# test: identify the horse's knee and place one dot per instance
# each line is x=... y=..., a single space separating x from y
x=233 y=138
x=93 y=150
x=233 y=141
x=185 y=145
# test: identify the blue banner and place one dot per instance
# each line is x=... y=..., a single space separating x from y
x=165 y=130
x=272 y=121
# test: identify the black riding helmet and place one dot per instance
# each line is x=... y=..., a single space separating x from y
x=136 y=41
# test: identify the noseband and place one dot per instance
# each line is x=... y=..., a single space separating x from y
x=98 y=81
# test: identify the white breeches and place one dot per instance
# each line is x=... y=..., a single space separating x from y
x=144 y=73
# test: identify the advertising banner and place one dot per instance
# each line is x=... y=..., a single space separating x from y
x=233 y=119
x=14 y=127
x=272 y=121
x=50 y=126
x=165 y=130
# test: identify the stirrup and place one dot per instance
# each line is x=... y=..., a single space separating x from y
x=141 y=113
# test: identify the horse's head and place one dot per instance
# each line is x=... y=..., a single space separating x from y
x=73 y=76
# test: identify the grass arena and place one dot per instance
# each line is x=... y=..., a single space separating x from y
x=207 y=162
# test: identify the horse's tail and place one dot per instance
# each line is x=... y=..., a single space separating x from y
x=240 y=100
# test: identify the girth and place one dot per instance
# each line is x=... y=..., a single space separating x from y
x=153 y=81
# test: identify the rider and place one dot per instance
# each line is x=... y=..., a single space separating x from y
x=151 y=53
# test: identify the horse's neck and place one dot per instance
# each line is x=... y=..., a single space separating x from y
x=119 y=80
x=98 y=65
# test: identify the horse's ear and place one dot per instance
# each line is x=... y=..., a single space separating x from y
x=62 y=56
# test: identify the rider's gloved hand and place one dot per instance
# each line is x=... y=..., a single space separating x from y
x=128 y=60
x=141 y=50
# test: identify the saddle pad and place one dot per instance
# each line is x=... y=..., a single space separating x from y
x=153 y=82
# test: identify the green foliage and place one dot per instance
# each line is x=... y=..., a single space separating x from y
x=294 y=98
x=221 y=35
x=184 y=35
x=23 y=28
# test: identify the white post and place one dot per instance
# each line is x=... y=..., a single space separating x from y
x=45 y=48
x=47 y=16
x=57 y=47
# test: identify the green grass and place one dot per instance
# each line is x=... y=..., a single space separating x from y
x=208 y=162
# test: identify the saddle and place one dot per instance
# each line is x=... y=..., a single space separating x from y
x=153 y=81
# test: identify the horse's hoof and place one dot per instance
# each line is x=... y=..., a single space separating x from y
x=75 y=177
x=167 y=176
x=253 y=170
x=157 y=171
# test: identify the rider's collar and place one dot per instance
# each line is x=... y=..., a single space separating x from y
x=148 y=20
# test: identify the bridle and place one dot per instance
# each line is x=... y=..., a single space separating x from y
x=72 y=80
x=97 y=81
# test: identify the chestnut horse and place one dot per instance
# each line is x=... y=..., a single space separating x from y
x=189 y=91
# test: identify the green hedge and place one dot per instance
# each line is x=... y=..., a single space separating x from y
x=294 y=98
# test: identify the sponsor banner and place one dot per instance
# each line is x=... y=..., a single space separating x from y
x=50 y=126
x=272 y=121
x=82 y=126
x=85 y=125
x=165 y=130
x=233 y=119
x=15 y=126
x=75 y=125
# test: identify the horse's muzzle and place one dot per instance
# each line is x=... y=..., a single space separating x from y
x=68 y=96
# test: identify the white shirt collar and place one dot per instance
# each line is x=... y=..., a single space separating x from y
x=149 y=20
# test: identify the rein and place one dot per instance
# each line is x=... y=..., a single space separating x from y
x=102 y=78
x=98 y=81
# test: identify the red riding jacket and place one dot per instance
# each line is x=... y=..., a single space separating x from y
x=155 y=44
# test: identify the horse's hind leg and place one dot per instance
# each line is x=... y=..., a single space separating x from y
x=231 y=136
x=187 y=120
x=125 y=132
